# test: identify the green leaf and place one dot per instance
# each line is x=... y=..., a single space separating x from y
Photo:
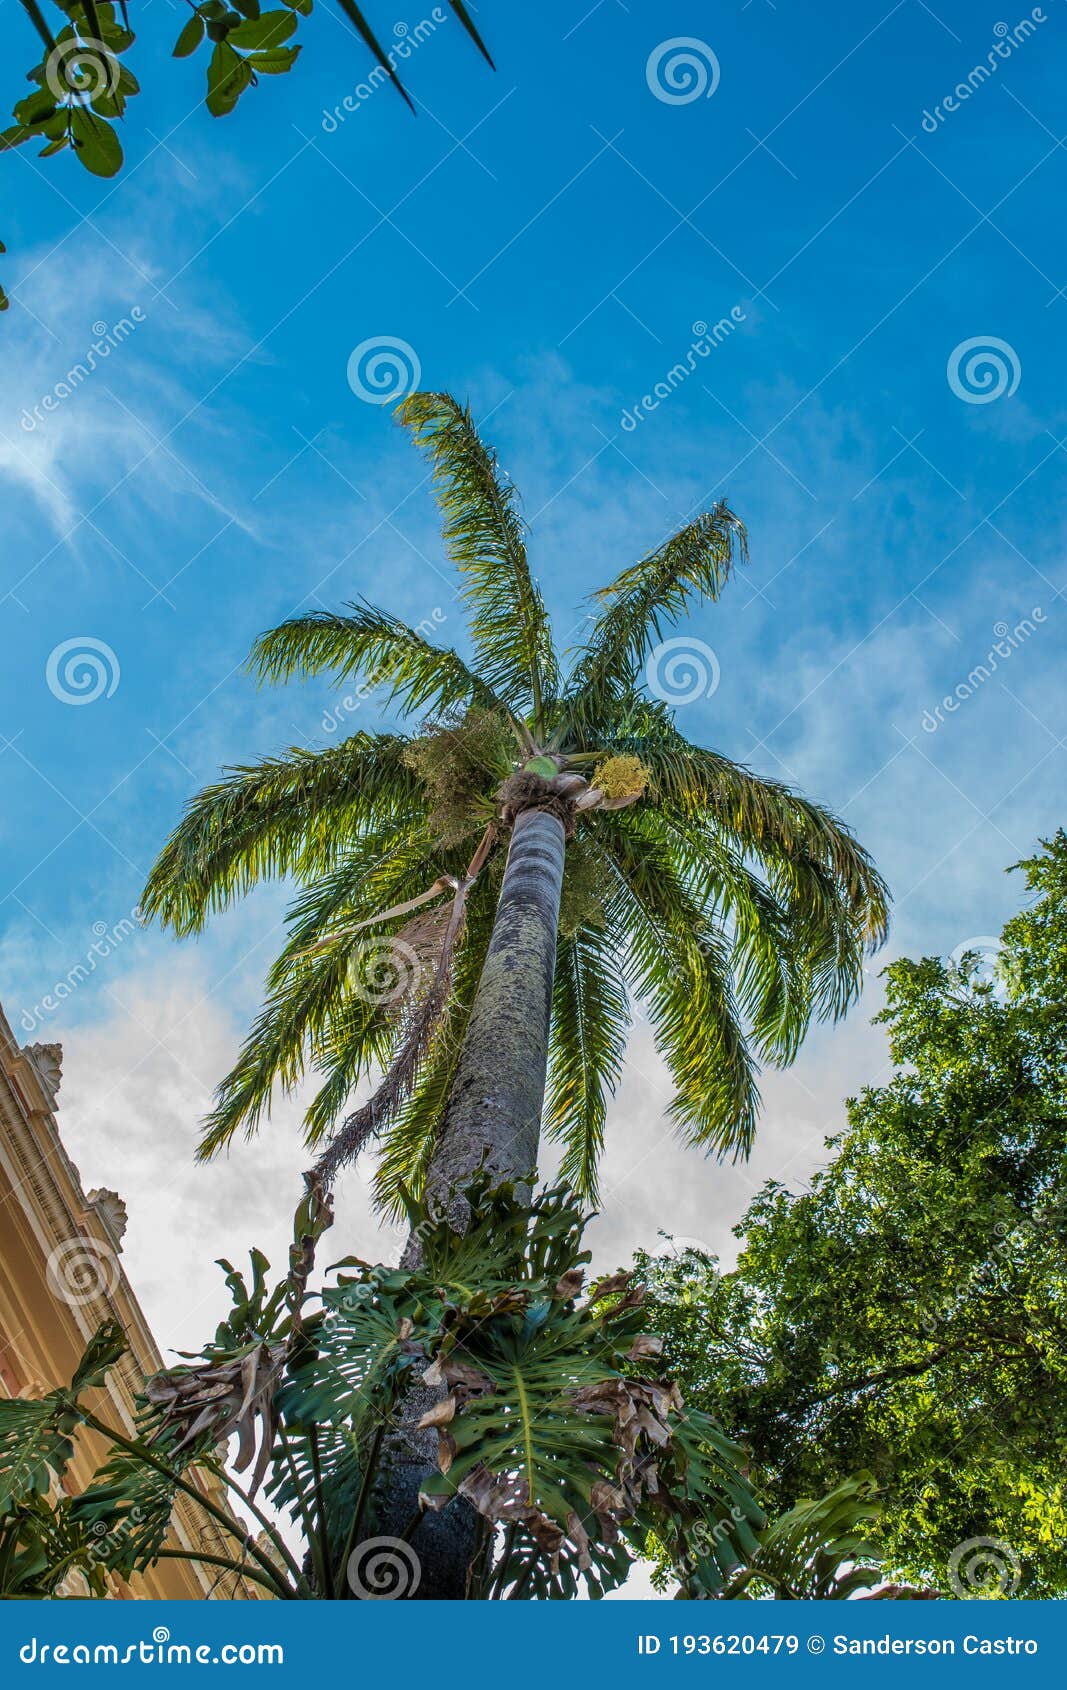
x=190 y=37
x=274 y=60
x=34 y=108
x=269 y=30
x=96 y=144
x=106 y=1347
x=227 y=78
x=15 y=136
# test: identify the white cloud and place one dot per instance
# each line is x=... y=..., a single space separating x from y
x=93 y=388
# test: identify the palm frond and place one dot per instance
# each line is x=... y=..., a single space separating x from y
x=693 y=564
x=422 y=1018
x=363 y=29
x=361 y=24
x=764 y=817
x=315 y=1013
x=485 y=537
x=381 y=649
x=409 y=1144
x=590 y=1023
x=678 y=968
x=283 y=815
x=769 y=961
x=468 y=23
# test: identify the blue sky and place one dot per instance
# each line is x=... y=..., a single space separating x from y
x=542 y=240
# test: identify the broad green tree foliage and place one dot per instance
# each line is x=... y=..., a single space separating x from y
x=908 y=1313
x=731 y=908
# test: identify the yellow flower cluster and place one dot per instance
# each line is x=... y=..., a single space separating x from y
x=621 y=777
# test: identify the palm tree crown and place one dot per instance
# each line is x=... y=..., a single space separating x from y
x=730 y=908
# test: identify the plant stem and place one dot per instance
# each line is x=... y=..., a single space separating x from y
x=219 y=1514
x=37 y=18
x=364 y=1496
x=241 y=1571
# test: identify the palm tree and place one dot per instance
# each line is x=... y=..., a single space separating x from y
x=733 y=910
x=480 y=904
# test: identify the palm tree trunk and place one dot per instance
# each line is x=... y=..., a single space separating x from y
x=494 y=1108
x=493 y=1120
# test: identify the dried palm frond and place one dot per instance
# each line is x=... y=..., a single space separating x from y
x=431 y=939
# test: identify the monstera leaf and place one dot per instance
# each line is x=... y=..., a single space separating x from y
x=36 y=1434
x=549 y=1417
x=44 y=1546
x=818 y=1550
x=42 y=1540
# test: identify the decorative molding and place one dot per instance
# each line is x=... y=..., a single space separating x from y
x=48 y=1061
x=112 y=1212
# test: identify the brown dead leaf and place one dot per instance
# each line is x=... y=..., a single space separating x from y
x=439 y=1415
x=645 y=1344
x=569 y=1285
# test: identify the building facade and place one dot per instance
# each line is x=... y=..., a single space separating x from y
x=60 y=1278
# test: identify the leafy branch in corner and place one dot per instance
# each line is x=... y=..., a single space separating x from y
x=82 y=84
